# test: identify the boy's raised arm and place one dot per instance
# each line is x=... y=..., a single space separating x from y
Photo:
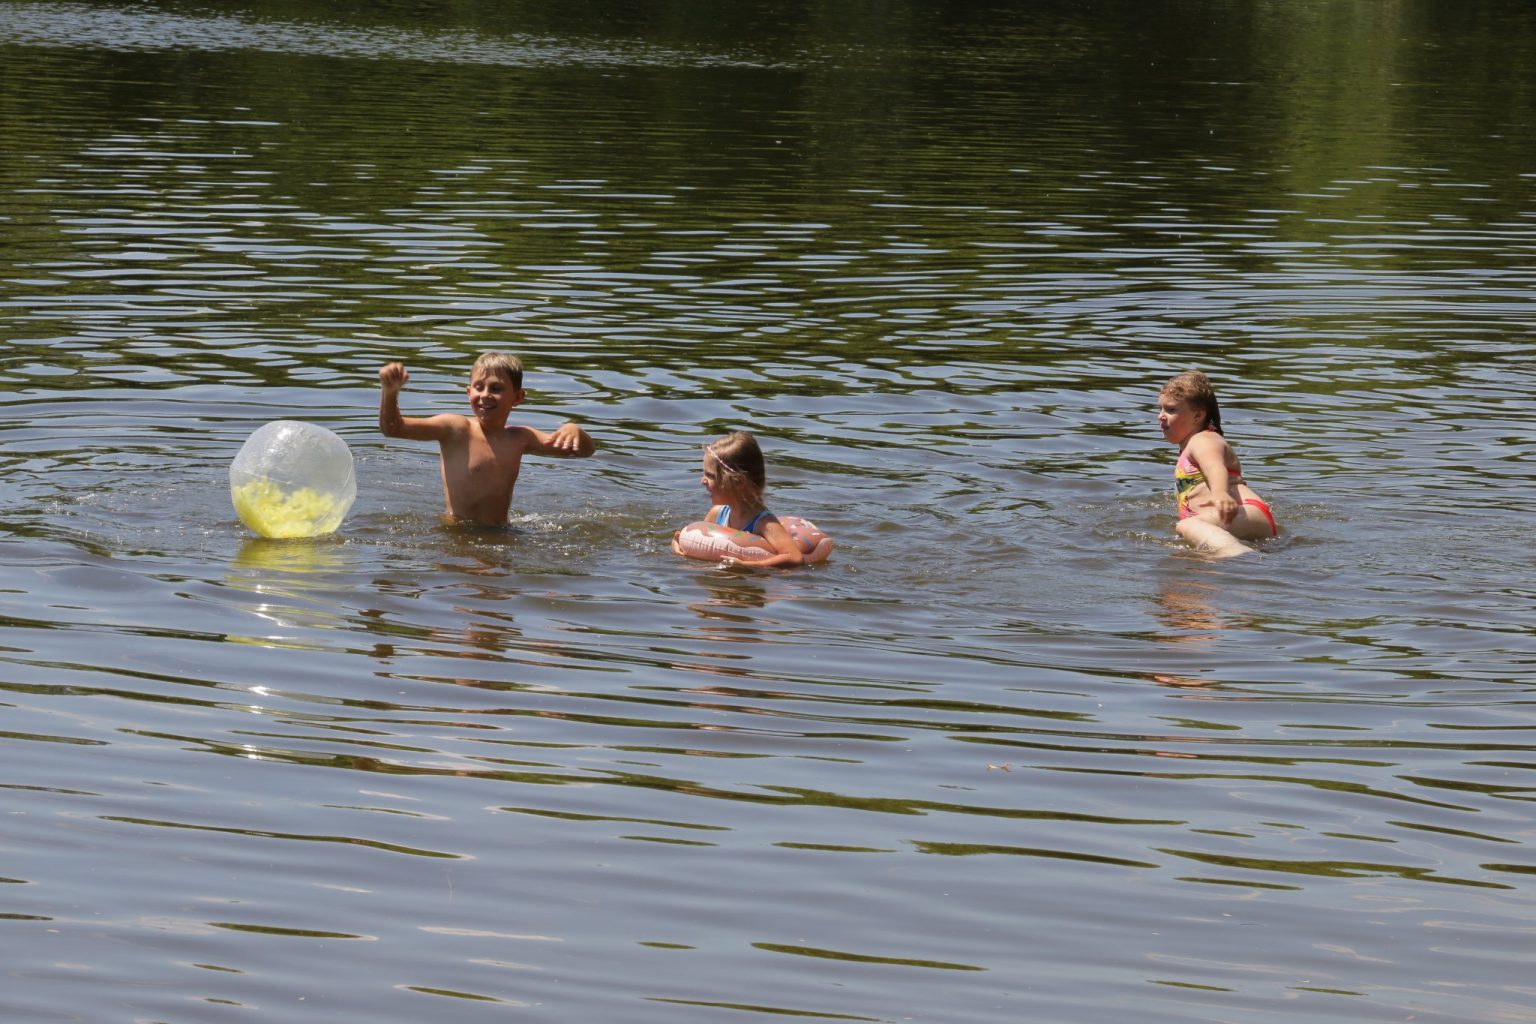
x=393 y=377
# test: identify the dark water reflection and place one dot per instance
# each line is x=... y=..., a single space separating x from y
x=1013 y=751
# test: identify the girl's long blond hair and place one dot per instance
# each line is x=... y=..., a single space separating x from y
x=740 y=462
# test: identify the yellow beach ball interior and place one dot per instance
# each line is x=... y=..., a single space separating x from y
x=292 y=479
x=273 y=512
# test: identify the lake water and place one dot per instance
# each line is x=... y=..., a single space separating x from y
x=1013 y=754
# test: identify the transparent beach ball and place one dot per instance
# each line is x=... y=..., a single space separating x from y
x=292 y=479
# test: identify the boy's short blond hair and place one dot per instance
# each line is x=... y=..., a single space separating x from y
x=501 y=364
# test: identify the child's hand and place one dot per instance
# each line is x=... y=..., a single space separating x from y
x=1226 y=507
x=393 y=376
x=567 y=438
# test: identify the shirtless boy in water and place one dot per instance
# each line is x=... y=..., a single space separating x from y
x=481 y=455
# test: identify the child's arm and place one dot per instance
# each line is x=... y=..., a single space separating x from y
x=568 y=441
x=1208 y=450
x=393 y=377
x=788 y=552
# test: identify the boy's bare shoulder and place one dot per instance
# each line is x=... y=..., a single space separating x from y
x=452 y=423
x=525 y=438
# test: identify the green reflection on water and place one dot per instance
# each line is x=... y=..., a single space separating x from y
x=291 y=235
x=862 y=958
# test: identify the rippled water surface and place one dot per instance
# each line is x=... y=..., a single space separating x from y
x=1013 y=754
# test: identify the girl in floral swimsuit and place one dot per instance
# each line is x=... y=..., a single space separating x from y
x=1217 y=508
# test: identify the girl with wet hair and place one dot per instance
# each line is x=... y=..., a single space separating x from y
x=1218 y=511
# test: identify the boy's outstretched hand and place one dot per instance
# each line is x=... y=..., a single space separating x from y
x=567 y=437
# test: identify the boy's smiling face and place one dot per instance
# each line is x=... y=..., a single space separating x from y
x=492 y=396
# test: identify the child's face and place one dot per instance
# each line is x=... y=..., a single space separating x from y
x=714 y=481
x=1177 y=420
x=491 y=394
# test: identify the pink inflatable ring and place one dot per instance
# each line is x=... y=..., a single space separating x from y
x=712 y=542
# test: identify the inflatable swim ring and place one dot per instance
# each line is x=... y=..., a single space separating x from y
x=712 y=542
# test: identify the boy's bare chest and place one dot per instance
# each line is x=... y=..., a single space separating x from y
x=471 y=455
x=483 y=458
